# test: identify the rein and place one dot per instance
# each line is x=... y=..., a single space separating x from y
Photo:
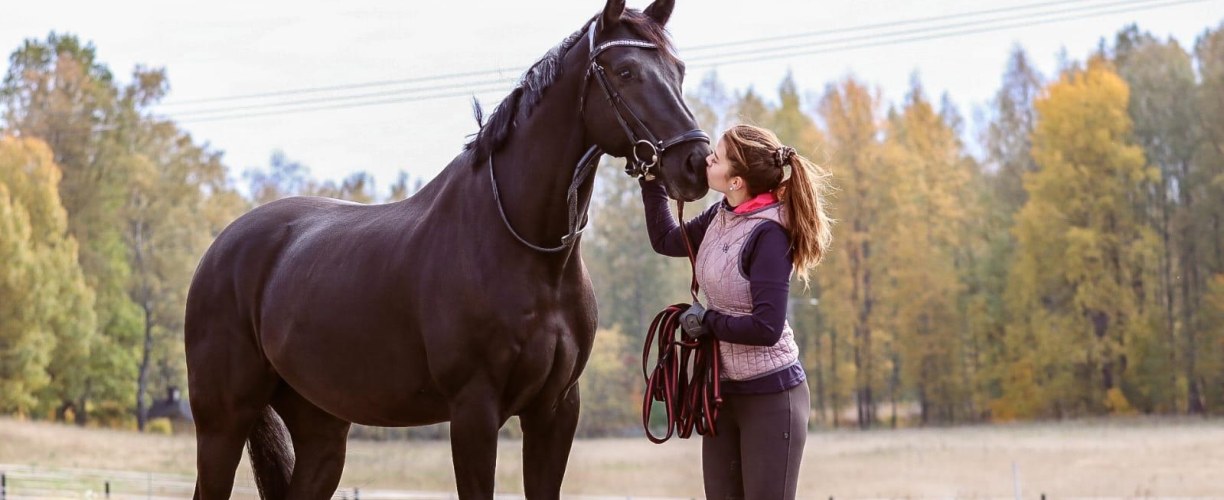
x=583 y=170
x=691 y=398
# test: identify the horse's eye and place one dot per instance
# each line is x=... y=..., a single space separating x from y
x=625 y=74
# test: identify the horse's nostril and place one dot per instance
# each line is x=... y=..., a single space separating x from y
x=696 y=164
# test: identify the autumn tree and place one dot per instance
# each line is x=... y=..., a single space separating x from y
x=57 y=91
x=1205 y=379
x=849 y=278
x=927 y=218
x=1160 y=75
x=1077 y=289
x=46 y=308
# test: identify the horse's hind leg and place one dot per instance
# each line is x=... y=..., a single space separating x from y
x=319 y=441
x=548 y=434
x=230 y=387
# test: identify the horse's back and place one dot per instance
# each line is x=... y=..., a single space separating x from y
x=242 y=255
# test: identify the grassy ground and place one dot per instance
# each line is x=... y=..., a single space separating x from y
x=1118 y=458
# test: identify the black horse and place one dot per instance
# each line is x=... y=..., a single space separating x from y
x=467 y=302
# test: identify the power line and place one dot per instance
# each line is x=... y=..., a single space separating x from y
x=722 y=57
x=878 y=43
x=714 y=60
x=519 y=70
x=347 y=86
x=500 y=82
x=923 y=30
x=867 y=27
x=464 y=93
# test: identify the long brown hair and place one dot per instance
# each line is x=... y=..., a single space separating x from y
x=756 y=155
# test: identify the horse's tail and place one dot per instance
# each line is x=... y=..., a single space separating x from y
x=271 y=455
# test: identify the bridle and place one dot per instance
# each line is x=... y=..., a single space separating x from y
x=645 y=153
x=646 y=150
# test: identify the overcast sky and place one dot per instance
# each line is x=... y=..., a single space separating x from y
x=226 y=48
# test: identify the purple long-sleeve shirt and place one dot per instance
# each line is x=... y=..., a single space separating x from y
x=765 y=260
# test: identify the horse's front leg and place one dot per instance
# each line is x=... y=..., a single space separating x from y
x=475 y=420
x=548 y=433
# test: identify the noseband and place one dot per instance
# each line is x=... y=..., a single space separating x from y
x=646 y=150
x=644 y=155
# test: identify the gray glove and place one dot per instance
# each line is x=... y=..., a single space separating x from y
x=690 y=320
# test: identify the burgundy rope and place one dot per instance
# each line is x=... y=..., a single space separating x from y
x=691 y=398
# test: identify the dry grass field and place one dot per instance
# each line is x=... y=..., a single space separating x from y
x=1097 y=458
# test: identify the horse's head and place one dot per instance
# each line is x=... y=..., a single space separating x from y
x=632 y=102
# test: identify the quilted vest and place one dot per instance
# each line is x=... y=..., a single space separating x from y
x=726 y=290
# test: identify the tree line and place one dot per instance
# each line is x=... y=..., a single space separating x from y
x=1065 y=260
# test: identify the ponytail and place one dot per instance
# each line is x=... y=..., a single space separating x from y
x=803 y=195
x=763 y=161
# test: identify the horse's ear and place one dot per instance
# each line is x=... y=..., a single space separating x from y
x=660 y=10
x=611 y=14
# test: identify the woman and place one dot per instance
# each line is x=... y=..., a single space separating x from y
x=771 y=221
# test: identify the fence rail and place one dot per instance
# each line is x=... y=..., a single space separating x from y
x=27 y=482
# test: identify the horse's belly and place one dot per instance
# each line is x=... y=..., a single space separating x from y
x=386 y=385
x=406 y=409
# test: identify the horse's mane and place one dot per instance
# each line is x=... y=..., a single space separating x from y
x=535 y=81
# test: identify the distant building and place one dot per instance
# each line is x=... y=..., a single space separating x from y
x=174 y=407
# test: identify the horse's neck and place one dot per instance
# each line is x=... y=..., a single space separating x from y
x=535 y=169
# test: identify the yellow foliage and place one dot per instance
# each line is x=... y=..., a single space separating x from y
x=112 y=415
x=1116 y=402
x=159 y=426
x=1082 y=246
x=1215 y=295
x=611 y=386
x=45 y=306
x=1001 y=411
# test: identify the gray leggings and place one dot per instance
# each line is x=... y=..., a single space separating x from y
x=759 y=445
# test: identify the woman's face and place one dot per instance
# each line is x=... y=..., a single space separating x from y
x=718 y=170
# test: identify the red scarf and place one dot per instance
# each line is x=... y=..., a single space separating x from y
x=761 y=200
